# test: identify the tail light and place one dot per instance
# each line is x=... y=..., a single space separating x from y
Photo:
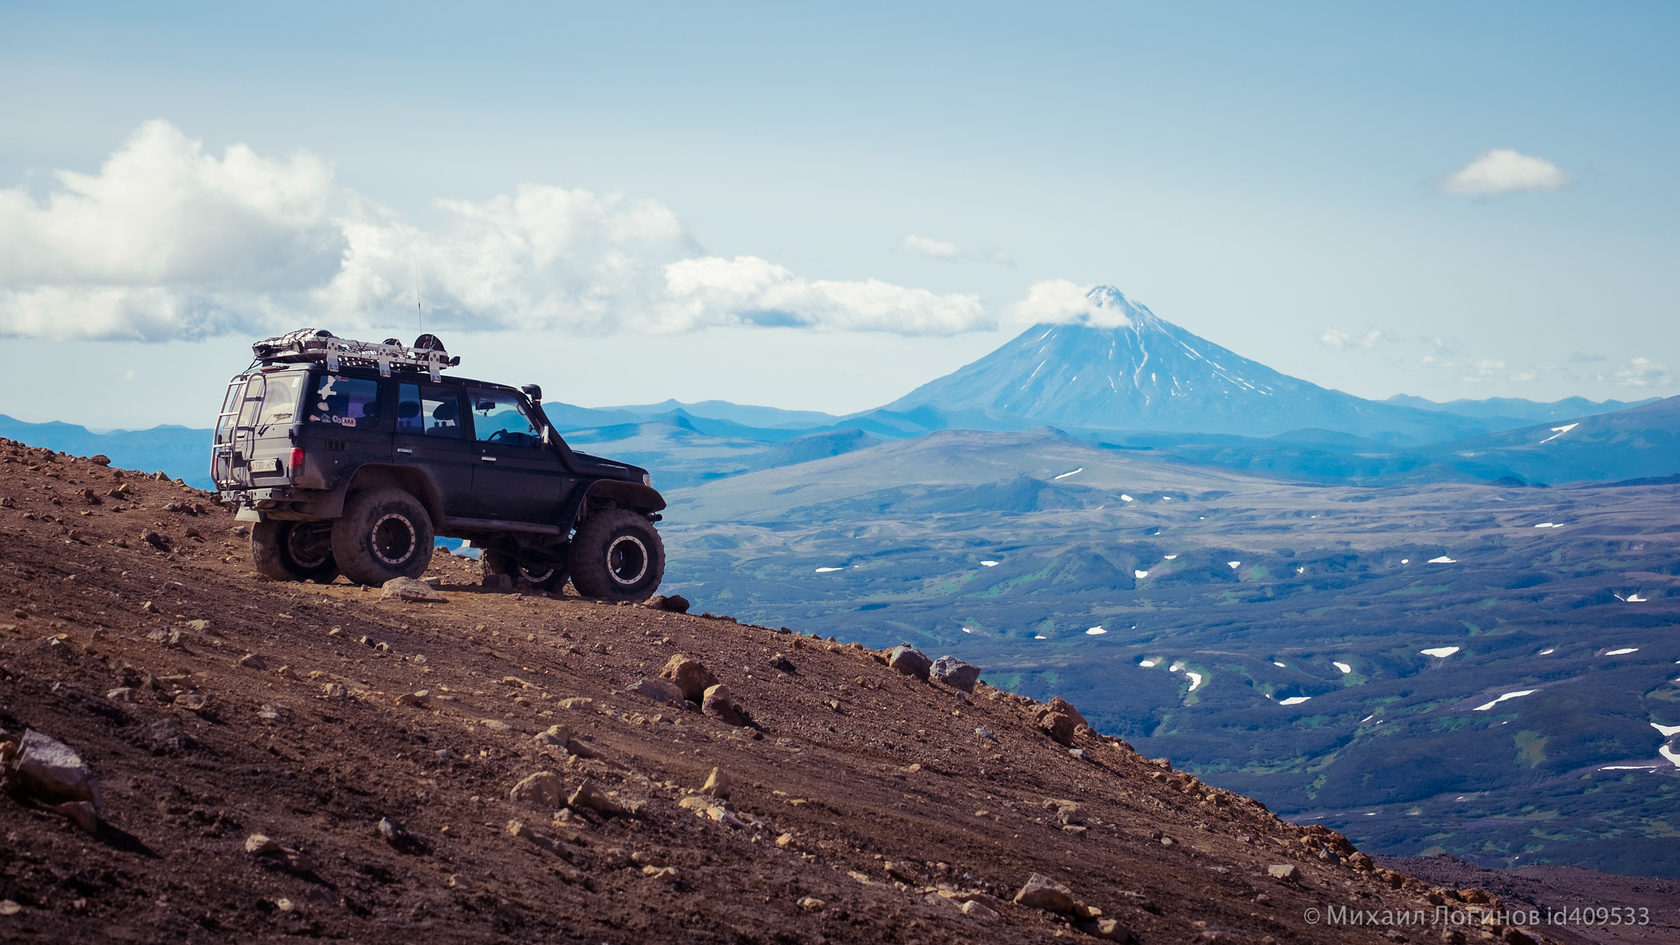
x=296 y=460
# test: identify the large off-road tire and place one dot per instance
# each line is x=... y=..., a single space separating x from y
x=541 y=577
x=616 y=555
x=294 y=551
x=383 y=534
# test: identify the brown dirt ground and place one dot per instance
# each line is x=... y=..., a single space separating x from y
x=857 y=786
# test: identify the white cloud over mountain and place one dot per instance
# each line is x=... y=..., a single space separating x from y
x=1502 y=171
x=170 y=241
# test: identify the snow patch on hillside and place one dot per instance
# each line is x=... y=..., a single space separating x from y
x=1440 y=652
x=1623 y=651
x=1345 y=668
x=1071 y=472
x=1095 y=632
x=1559 y=431
x=829 y=570
x=1294 y=700
x=1443 y=559
x=1667 y=731
x=1509 y=695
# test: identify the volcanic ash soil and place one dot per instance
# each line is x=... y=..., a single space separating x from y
x=196 y=754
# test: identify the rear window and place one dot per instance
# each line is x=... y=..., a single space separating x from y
x=344 y=401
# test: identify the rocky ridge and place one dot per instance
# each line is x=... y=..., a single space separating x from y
x=237 y=757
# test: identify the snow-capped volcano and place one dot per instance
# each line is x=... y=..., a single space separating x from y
x=1119 y=366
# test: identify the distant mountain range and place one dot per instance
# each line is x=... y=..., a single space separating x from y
x=1124 y=379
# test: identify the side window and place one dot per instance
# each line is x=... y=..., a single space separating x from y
x=497 y=418
x=345 y=401
x=429 y=410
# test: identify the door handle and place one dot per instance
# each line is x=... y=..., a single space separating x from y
x=404 y=450
x=488 y=459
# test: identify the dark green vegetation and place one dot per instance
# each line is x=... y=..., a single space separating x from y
x=892 y=544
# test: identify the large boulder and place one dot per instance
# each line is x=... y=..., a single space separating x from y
x=52 y=771
x=909 y=661
x=719 y=703
x=690 y=675
x=1042 y=892
x=955 y=673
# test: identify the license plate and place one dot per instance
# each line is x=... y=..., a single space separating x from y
x=265 y=465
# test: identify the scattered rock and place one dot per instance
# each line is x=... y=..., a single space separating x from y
x=660 y=690
x=1059 y=726
x=690 y=675
x=167 y=636
x=261 y=845
x=192 y=701
x=909 y=661
x=253 y=661
x=1282 y=871
x=496 y=725
x=719 y=703
x=781 y=663
x=675 y=603
x=52 y=771
x=149 y=608
x=1109 y=930
x=540 y=791
x=120 y=694
x=154 y=539
x=100 y=459
x=9 y=907
x=718 y=784
x=956 y=673
x=409 y=589
x=1058 y=704
x=1041 y=892
x=588 y=796
x=812 y=904
x=977 y=909
x=555 y=737
x=399 y=838
x=81 y=813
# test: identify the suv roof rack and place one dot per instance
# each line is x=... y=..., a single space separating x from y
x=319 y=346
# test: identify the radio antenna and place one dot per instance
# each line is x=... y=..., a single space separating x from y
x=419 y=313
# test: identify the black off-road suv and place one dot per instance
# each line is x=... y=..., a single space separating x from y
x=349 y=457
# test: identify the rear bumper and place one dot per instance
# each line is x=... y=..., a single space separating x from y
x=281 y=502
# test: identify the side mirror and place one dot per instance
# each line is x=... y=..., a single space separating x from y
x=533 y=391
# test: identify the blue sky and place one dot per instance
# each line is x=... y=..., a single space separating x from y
x=825 y=207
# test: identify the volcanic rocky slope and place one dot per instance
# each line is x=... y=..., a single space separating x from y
x=280 y=759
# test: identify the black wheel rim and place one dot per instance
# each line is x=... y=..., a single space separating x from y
x=393 y=539
x=627 y=560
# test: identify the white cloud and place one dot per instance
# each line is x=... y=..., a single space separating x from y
x=1342 y=341
x=169 y=241
x=1502 y=171
x=749 y=290
x=932 y=248
x=1643 y=372
x=1057 y=301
